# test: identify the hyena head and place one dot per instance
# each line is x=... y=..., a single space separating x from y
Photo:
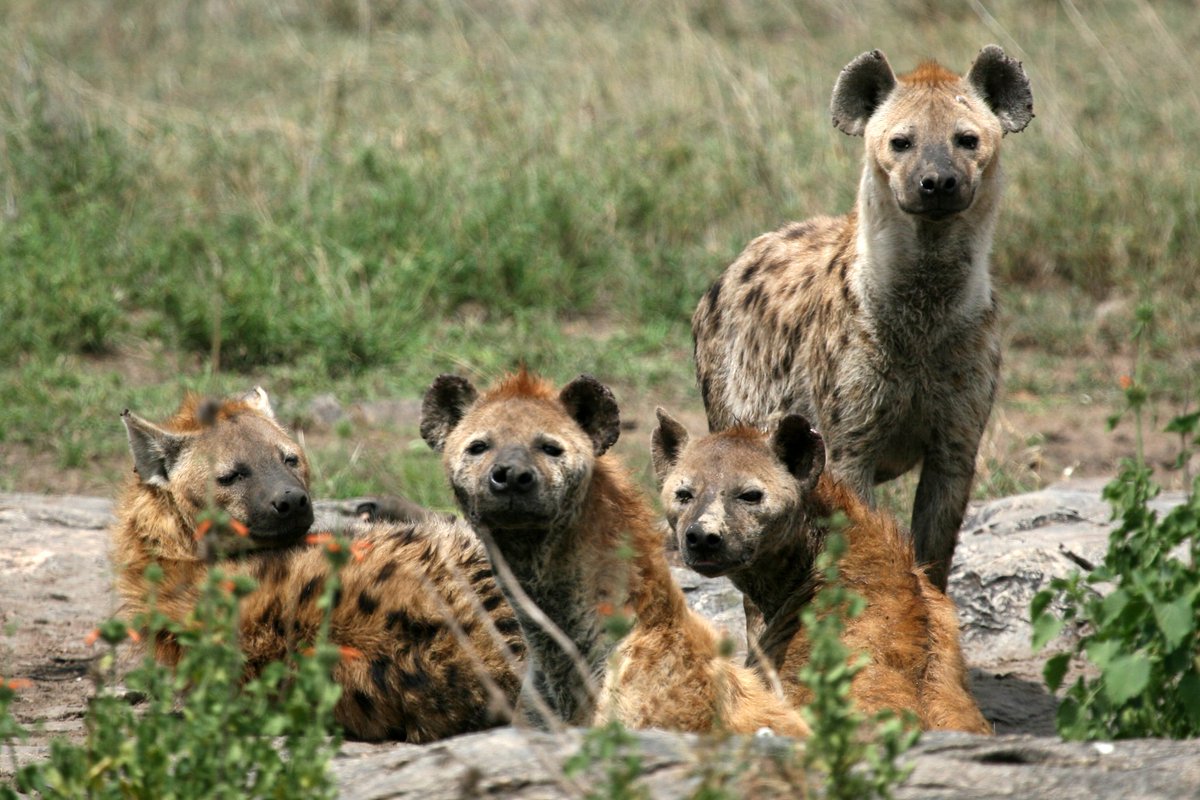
x=730 y=495
x=934 y=135
x=520 y=457
x=230 y=454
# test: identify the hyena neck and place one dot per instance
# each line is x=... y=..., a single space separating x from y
x=579 y=576
x=783 y=574
x=913 y=274
x=151 y=529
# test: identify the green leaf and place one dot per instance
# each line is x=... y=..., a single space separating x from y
x=1189 y=696
x=1045 y=628
x=1055 y=670
x=1101 y=653
x=1114 y=604
x=1176 y=620
x=1126 y=677
x=1187 y=423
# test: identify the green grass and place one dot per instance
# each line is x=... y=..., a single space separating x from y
x=353 y=197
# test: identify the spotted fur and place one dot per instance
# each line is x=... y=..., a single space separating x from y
x=881 y=325
x=755 y=508
x=433 y=648
x=582 y=543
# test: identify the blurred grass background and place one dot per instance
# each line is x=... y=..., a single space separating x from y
x=351 y=196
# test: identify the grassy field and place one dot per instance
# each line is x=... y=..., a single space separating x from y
x=351 y=196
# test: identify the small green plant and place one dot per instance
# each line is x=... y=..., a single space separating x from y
x=857 y=762
x=1143 y=637
x=611 y=745
x=203 y=730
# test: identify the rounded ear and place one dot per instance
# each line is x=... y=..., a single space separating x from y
x=861 y=87
x=445 y=402
x=1002 y=83
x=666 y=443
x=257 y=399
x=155 y=451
x=800 y=448
x=591 y=404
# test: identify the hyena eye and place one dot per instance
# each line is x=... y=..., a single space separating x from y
x=968 y=141
x=230 y=478
x=683 y=496
x=900 y=143
x=552 y=450
x=752 y=496
x=476 y=447
x=291 y=460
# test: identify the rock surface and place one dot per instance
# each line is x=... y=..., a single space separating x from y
x=55 y=585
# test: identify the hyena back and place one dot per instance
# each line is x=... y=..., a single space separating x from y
x=881 y=325
x=434 y=649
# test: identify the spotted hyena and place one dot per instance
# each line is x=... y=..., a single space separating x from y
x=528 y=465
x=438 y=648
x=755 y=507
x=881 y=325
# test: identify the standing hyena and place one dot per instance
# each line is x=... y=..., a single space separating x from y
x=754 y=507
x=435 y=646
x=528 y=467
x=881 y=325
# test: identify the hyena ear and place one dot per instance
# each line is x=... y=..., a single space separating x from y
x=257 y=399
x=155 y=451
x=446 y=402
x=1002 y=83
x=592 y=405
x=666 y=443
x=801 y=449
x=861 y=87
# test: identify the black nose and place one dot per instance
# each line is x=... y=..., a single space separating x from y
x=517 y=478
x=700 y=541
x=938 y=183
x=291 y=502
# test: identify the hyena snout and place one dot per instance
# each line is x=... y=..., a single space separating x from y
x=512 y=473
x=286 y=511
x=937 y=188
x=702 y=544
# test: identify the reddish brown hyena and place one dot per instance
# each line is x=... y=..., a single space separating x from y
x=529 y=467
x=881 y=325
x=435 y=648
x=755 y=507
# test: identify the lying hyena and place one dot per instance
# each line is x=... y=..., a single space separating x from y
x=881 y=325
x=529 y=470
x=754 y=507
x=438 y=644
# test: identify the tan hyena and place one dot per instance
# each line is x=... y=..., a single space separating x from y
x=433 y=648
x=754 y=507
x=881 y=325
x=529 y=469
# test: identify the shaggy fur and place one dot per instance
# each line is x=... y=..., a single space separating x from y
x=433 y=643
x=754 y=507
x=881 y=325
x=527 y=464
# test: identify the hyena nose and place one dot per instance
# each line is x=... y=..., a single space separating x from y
x=700 y=541
x=938 y=184
x=290 y=502
x=514 y=478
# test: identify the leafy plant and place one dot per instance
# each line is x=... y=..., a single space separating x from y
x=203 y=731
x=858 y=757
x=1142 y=637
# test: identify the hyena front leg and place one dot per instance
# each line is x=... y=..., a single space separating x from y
x=941 y=501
